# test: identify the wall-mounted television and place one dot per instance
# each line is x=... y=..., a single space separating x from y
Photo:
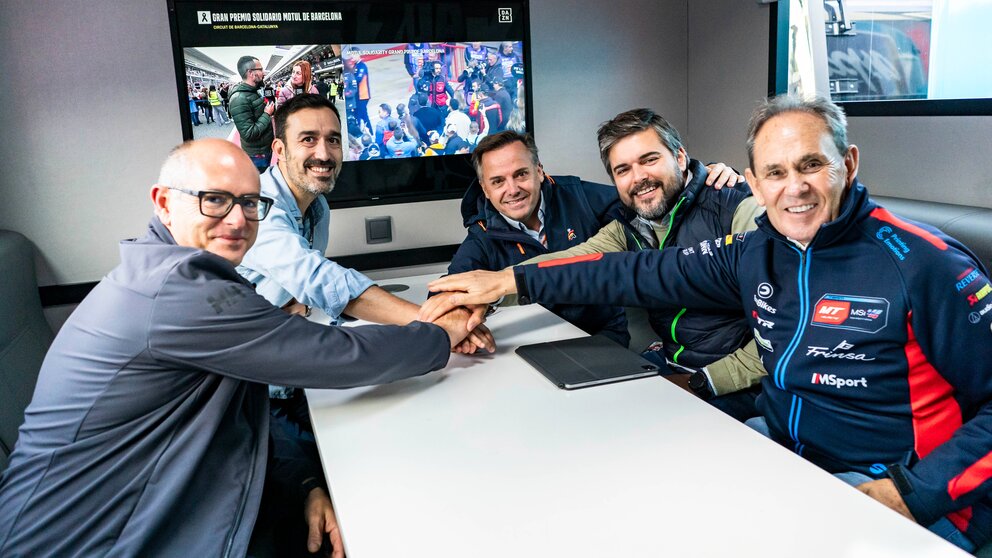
x=885 y=57
x=417 y=83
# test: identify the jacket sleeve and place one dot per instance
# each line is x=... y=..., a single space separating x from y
x=948 y=354
x=205 y=317
x=610 y=238
x=676 y=277
x=745 y=214
x=739 y=370
x=249 y=128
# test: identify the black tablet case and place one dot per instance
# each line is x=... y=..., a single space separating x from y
x=585 y=362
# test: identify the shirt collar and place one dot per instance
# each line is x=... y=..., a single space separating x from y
x=523 y=227
x=284 y=196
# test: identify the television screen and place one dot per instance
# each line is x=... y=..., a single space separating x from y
x=891 y=57
x=417 y=84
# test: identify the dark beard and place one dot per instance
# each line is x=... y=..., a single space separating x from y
x=671 y=193
x=314 y=186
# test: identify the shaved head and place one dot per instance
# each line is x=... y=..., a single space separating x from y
x=206 y=165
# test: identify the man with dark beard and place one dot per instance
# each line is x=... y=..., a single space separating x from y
x=287 y=263
x=666 y=203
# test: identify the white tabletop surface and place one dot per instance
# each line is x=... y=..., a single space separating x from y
x=488 y=458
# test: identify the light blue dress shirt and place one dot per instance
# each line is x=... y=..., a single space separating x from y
x=287 y=260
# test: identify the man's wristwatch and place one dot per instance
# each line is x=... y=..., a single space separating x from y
x=700 y=385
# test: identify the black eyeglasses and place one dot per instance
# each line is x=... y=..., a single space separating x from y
x=219 y=204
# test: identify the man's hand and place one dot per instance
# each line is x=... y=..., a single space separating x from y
x=476 y=287
x=479 y=338
x=439 y=305
x=320 y=519
x=885 y=491
x=454 y=322
x=721 y=175
x=269 y=108
x=296 y=308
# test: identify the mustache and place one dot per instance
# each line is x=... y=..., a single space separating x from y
x=645 y=184
x=315 y=162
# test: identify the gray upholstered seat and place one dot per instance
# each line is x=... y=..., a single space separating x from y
x=971 y=225
x=24 y=335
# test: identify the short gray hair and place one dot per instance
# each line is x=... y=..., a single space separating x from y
x=175 y=170
x=245 y=65
x=821 y=107
x=631 y=122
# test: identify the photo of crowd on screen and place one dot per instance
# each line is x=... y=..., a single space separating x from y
x=426 y=99
x=212 y=75
x=400 y=100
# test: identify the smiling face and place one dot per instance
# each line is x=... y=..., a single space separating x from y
x=215 y=165
x=512 y=181
x=799 y=175
x=310 y=157
x=647 y=175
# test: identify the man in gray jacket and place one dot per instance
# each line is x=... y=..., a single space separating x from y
x=148 y=431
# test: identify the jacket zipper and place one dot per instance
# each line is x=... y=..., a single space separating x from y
x=795 y=409
x=241 y=507
x=671 y=221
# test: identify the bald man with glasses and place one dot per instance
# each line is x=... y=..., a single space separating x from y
x=148 y=432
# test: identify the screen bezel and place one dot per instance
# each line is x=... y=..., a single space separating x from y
x=436 y=167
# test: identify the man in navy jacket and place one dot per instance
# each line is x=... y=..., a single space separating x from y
x=514 y=212
x=874 y=330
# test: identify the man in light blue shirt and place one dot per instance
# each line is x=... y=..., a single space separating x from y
x=287 y=263
x=400 y=146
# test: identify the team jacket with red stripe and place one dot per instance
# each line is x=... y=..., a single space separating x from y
x=877 y=339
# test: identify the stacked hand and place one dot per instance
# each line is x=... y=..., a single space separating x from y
x=464 y=338
x=474 y=290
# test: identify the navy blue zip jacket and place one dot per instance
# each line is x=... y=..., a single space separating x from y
x=876 y=339
x=574 y=210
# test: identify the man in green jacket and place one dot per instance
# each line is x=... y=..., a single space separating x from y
x=251 y=114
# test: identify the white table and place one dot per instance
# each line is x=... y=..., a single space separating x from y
x=488 y=458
